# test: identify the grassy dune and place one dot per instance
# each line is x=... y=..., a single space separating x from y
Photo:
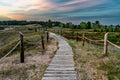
x=36 y=59
x=92 y=65
x=10 y=38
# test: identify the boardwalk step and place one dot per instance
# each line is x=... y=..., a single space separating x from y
x=57 y=66
x=60 y=72
x=60 y=75
x=59 y=78
x=62 y=65
x=66 y=69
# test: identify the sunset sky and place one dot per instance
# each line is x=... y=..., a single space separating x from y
x=106 y=11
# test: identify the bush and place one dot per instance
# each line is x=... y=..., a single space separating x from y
x=72 y=32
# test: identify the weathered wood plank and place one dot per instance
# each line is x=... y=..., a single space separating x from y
x=62 y=65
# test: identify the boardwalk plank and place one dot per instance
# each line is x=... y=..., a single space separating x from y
x=62 y=65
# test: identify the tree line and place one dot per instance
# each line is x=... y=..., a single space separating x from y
x=96 y=26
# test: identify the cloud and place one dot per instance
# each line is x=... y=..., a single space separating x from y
x=65 y=10
x=79 y=4
x=53 y=10
x=49 y=5
x=27 y=5
x=4 y=11
x=75 y=2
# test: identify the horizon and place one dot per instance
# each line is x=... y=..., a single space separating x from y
x=75 y=11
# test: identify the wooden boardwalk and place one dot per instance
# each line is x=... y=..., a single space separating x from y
x=62 y=65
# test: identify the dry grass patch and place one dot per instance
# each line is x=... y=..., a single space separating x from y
x=34 y=66
x=87 y=61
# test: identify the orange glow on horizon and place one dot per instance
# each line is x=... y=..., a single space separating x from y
x=16 y=17
x=4 y=11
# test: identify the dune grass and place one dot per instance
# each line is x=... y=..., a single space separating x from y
x=36 y=59
x=9 y=39
x=33 y=69
x=91 y=64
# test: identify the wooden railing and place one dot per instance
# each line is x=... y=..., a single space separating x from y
x=84 y=39
x=21 y=43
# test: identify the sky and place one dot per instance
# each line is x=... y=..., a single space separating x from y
x=75 y=11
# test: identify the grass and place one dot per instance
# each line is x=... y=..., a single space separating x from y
x=10 y=38
x=111 y=66
x=33 y=68
x=92 y=65
x=35 y=61
x=114 y=37
x=92 y=57
x=90 y=61
x=15 y=70
x=6 y=48
x=7 y=37
x=20 y=71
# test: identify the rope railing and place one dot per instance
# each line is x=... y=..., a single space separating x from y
x=113 y=44
x=94 y=40
x=105 y=41
x=31 y=42
x=45 y=37
x=99 y=42
x=21 y=43
x=10 y=51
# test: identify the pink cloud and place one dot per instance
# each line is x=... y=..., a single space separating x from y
x=75 y=2
x=79 y=4
x=27 y=5
x=25 y=9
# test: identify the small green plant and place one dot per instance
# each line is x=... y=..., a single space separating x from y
x=72 y=32
x=24 y=75
x=32 y=66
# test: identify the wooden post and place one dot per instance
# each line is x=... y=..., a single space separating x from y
x=77 y=37
x=47 y=36
x=106 y=44
x=42 y=40
x=21 y=48
x=83 y=38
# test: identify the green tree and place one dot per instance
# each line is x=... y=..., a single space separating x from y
x=61 y=25
x=53 y=25
x=69 y=25
x=49 y=23
x=110 y=28
x=83 y=25
x=88 y=25
x=117 y=28
x=96 y=26
x=105 y=29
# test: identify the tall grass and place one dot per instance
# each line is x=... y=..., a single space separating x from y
x=10 y=38
x=99 y=66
